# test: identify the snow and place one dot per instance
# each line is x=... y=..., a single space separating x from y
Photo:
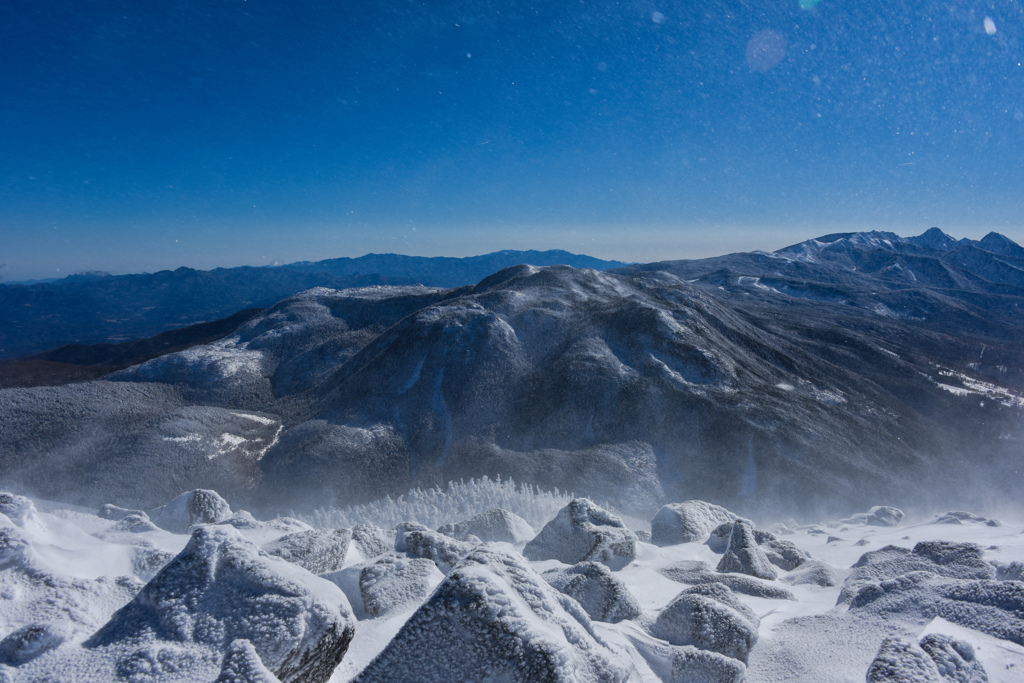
x=65 y=573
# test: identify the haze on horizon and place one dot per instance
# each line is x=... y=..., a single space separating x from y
x=230 y=132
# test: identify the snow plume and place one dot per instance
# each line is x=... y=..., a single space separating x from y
x=458 y=501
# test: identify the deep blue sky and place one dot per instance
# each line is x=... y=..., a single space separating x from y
x=146 y=135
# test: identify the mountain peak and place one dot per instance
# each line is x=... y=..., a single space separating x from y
x=1001 y=244
x=933 y=238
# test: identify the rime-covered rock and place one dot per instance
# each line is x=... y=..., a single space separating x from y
x=900 y=661
x=417 y=540
x=318 y=551
x=954 y=659
x=243 y=665
x=696 y=572
x=28 y=642
x=990 y=606
x=18 y=509
x=954 y=560
x=201 y=506
x=962 y=517
x=394 y=583
x=597 y=589
x=222 y=587
x=690 y=664
x=493 y=525
x=372 y=541
x=583 y=531
x=688 y=522
x=494 y=618
x=783 y=554
x=744 y=556
x=710 y=618
x=815 y=573
x=937 y=659
x=1012 y=571
x=115 y=512
x=884 y=515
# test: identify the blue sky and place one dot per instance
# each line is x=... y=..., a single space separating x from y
x=141 y=136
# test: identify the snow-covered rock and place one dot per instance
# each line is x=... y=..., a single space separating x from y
x=783 y=554
x=814 y=573
x=884 y=515
x=243 y=665
x=744 y=556
x=18 y=509
x=688 y=522
x=937 y=659
x=318 y=551
x=220 y=588
x=962 y=517
x=372 y=541
x=493 y=525
x=494 y=619
x=696 y=572
x=583 y=531
x=710 y=618
x=900 y=661
x=954 y=560
x=602 y=594
x=394 y=583
x=115 y=512
x=990 y=606
x=29 y=642
x=417 y=540
x=955 y=659
x=1010 y=571
x=201 y=506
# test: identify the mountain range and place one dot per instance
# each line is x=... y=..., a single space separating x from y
x=97 y=308
x=843 y=370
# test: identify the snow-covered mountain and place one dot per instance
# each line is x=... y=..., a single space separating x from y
x=813 y=376
x=95 y=308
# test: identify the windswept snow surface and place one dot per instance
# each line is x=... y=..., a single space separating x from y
x=665 y=615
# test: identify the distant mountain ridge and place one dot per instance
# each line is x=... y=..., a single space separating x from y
x=94 y=308
x=849 y=368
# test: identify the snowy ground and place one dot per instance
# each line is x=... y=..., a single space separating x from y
x=69 y=569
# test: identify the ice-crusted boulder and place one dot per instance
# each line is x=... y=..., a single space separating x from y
x=417 y=540
x=372 y=541
x=990 y=606
x=709 y=617
x=18 y=509
x=29 y=642
x=955 y=659
x=201 y=506
x=815 y=573
x=783 y=554
x=1009 y=571
x=959 y=517
x=243 y=665
x=493 y=525
x=221 y=588
x=392 y=583
x=582 y=531
x=954 y=560
x=494 y=619
x=318 y=551
x=900 y=661
x=688 y=522
x=744 y=556
x=885 y=515
x=115 y=512
x=697 y=573
x=938 y=659
x=601 y=594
